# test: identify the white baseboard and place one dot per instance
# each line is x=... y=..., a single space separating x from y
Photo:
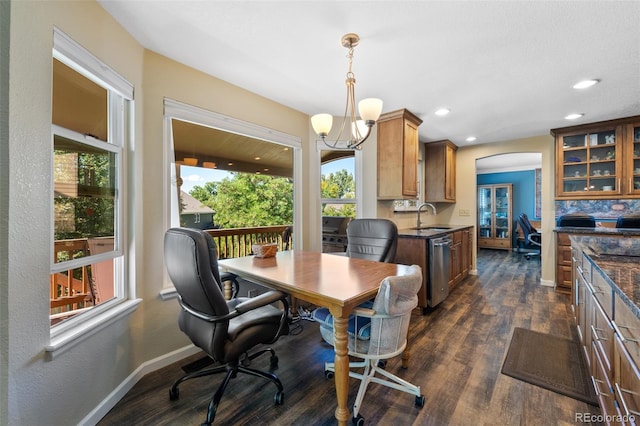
x=547 y=283
x=145 y=368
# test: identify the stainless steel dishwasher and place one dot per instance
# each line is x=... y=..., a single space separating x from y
x=439 y=261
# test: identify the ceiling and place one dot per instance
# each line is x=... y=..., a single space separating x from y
x=505 y=69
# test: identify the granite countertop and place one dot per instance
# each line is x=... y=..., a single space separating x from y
x=602 y=230
x=618 y=261
x=431 y=231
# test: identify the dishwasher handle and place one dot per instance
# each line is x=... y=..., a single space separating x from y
x=442 y=242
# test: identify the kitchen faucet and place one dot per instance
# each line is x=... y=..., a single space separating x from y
x=420 y=210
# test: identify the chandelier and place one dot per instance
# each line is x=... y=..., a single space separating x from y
x=370 y=109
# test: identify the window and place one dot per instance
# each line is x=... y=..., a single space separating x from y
x=225 y=147
x=337 y=184
x=90 y=129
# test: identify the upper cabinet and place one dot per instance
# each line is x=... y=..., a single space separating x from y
x=440 y=172
x=398 y=155
x=598 y=160
x=632 y=156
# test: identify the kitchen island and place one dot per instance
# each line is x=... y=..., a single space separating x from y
x=413 y=248
x=607 y=310
x=564 y=271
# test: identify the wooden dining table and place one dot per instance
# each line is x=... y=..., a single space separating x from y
x=338 y=283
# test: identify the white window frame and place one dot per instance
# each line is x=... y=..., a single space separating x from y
x=181 y=111
x=120 y=114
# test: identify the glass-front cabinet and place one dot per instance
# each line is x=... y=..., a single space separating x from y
x=598 y=160
x=632 y=165
x=589 y=163
x=495 y=219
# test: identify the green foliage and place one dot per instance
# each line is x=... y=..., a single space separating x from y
x=87 y=216
x=348 y=210
x=248 y=200
x=338 y=185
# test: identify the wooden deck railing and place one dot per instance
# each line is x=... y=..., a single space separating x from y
x=236 y=242
x=70 y=290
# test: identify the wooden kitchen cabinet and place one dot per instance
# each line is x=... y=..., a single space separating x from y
x=440 y=172
x=598 y=160
x=455 y=263
x=631 y=166
x=398 y=155
x=564 y=267
x=610 y=334
x=415 y=251
x=466 y=251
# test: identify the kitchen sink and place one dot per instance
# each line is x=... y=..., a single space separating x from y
x=432 y=228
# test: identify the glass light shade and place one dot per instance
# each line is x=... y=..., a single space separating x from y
x=322 y=123
x=370 y=109
x=209 y=165
x=190 y=161
x=362 y=128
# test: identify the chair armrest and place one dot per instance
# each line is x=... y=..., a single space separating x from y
x=241 y=308
x=261 y=300
x=363 y=312
x=538 y=236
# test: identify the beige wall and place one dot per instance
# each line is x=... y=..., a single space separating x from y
x=65 y=389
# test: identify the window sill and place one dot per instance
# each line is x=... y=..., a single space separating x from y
x=69 y=338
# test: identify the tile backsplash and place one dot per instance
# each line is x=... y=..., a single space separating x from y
x=600 y=209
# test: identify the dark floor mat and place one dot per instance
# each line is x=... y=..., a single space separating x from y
x=552 y=362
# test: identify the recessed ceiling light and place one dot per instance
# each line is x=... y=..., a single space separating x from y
x=471 y=139
x=257 y=158
x=443 y=111
x=585 y=83
x=573 y=116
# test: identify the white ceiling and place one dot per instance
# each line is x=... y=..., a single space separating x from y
x=505 y=69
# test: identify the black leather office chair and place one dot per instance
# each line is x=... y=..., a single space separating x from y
x=224 y=330
x=576 y=220
x=628 y=222
x=372 y=239
x=532 y=237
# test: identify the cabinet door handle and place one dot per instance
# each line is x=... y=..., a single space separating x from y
x=624 y=338
x=595 y=331
x=597 y=388
x=623 y=400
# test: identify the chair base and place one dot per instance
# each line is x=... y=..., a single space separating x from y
x=231 y=372
x=528 y=256
x=371 y=367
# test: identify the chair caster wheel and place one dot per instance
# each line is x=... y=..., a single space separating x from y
x=273 y=362
x=420 y=401
x=328 y=374
x=358 y=420
x=174 y=394
x=278 y=398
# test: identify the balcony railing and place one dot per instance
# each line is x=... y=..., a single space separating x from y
x=237 y=242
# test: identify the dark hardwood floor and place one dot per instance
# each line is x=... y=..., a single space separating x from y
x=457 y=353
